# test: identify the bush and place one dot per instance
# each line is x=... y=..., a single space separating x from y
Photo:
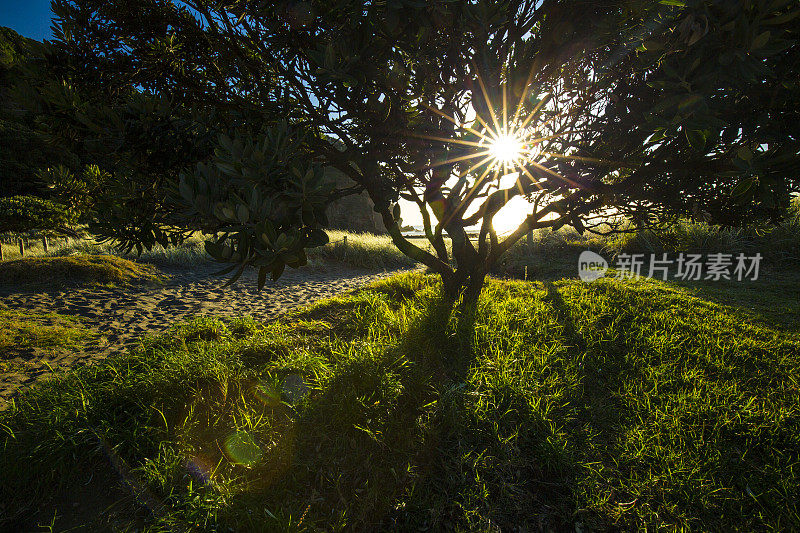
x=29 y=213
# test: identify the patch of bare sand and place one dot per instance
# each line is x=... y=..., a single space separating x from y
x=121 y=315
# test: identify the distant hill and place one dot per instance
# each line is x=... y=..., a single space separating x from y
x=14 y=51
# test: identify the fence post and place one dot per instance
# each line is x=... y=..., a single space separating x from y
x=21 y=248
x=344 y=240
x=1 y=250
x=44 y=243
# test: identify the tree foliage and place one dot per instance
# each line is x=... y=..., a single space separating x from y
x=708 y=108
x=23 y=148
x=21 y=214
x=639 y=109
x=267 y=199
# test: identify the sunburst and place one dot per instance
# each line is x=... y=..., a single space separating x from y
x=498 y=145
x=506 y=148
x=501 y=148
x=511 y=150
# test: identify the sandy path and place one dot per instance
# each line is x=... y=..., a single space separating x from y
x=121 y=315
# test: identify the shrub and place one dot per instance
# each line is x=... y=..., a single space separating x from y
x=28 y=213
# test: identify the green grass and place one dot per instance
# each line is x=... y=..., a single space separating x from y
x=364 y=250
x=21 y=331
x=190 y=253
x=564 y=406
x=95 y=269
x=776 y=242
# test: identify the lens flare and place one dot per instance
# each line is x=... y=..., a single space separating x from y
x=267 y=393
x=242 y=449
x=199 y=467
x=295 y=388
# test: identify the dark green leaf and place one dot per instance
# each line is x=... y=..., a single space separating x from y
x=262 y=277
x=277 y=271
x=696 y=138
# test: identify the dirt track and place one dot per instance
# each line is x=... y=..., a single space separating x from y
x=121 y=315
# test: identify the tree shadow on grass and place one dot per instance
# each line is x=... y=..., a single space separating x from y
x=375 y=433
x=596 y=410
x=407 y=448
x=424 y=430
x=773 y=299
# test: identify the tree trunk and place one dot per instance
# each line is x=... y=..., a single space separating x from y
x=474 y=285
x=452 y=286
x=465 y=283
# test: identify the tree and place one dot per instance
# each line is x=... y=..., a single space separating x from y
x=708 y=108
x=23 y=149
x=130 y=150
x=601 y=108
x=20 y=214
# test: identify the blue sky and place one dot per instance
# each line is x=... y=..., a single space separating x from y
x=30 y=18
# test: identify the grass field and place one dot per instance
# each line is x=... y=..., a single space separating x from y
x=21 y=331
x=190 y=253
x=553 y=405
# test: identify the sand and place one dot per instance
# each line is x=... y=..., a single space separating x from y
x=121 y=315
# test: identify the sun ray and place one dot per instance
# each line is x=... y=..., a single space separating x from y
x=535 y=111
x=534 y=180
x=446 y=140
x=476 y=165
x=522 y=97
x=509 y=138
x=505 y=111
x=478 y=183
x=553 y=173
x=457 y=159
x=540 y=126
x=554 y=136
x=489 y=106
x=581 y=158
x=488 y=128
x=451 y=119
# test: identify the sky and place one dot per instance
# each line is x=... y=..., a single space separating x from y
x=505 y=221
x=30 y=18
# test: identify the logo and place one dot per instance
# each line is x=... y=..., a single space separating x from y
x=591 y=266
